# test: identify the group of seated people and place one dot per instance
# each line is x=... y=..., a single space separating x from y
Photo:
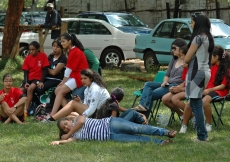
x=97 y=113
x=172 y=90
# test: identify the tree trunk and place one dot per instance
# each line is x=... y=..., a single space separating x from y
x=11 y=28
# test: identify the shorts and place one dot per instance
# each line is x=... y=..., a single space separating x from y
x=30 y=82
x=21 y=118
x=213 y=94
x=71 y=83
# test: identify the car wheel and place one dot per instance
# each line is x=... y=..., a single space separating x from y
x=111 y=56
x=24 y=51
x=150 y=61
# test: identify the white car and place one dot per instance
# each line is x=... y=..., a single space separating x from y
x=108 y=43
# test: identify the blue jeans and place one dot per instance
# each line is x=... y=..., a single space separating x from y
x=132 y=116
x=122 y=130
x=197 y=109
x=79 y=92
x=152 y=91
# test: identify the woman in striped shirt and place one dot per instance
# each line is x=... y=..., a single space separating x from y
x=112 y=128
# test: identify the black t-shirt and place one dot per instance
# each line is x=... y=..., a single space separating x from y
x=53 y=64
x=107 y=112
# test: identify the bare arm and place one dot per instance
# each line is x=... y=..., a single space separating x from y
x=114 y=113
x=80 y=122
x=191 y=51
x=165 y=81
x=216 y=88
x=122 y=109
x=21 y=101
x=63 y=141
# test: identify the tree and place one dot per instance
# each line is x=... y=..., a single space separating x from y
x=11 y=27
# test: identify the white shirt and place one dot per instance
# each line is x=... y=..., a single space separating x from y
x=94 y=96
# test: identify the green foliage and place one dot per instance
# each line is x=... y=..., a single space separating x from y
x=27 y=3
x=30 y=142
x=12 y=66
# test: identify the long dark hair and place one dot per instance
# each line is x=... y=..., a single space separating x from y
x=202 y=26
x=94 y=76
x=74 y=40
x=179 y=42
x=116 y=95
x=61 y=132
x=223 y=69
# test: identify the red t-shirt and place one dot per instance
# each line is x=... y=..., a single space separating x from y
x=184 y=72
x=12 y=97
x=214 y=70
x=34 y=65
x=77 y=62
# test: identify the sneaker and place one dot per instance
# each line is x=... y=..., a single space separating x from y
x=183 y=129
x=209 y=127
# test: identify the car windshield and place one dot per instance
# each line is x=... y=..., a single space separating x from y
x=124 y=20
x=220 y=30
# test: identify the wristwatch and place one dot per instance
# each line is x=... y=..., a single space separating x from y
x=15 y=107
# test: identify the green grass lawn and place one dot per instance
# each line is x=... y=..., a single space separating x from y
x=30 y=142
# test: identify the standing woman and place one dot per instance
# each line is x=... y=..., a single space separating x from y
x=12 y=101
x=35 y=68
x=76 y=62
x=57 y=61
x=199 y=59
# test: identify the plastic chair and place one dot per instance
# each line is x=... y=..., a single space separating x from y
x=158 y=78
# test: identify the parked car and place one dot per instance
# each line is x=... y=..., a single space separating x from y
x=155 y=48
x=108 y=43
x=126 y=22
x=28 y=18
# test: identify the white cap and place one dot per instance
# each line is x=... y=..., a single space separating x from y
x=50 y=5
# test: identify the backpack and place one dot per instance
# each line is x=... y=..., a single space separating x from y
x=41 y=111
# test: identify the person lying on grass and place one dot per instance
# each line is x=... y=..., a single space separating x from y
x=111 y=107
x=116 y=129
x=12 y=102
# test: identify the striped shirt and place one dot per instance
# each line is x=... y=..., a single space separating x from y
x=94 y=129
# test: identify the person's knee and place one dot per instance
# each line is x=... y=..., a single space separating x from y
x=165 y=99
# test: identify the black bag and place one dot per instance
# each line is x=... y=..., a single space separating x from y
x=32 y=109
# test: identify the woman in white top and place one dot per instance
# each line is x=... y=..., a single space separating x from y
x=95 y=95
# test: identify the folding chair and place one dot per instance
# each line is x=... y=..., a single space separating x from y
x=221 y=101
x=158 y=78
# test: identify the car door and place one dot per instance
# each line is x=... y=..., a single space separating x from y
x=94 y=35
x=161 y=41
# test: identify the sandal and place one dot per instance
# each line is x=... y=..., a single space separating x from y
x=166 y=142
x=139 y=108
x=171 y=134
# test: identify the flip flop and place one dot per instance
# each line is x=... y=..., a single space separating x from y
x=166 y=142
x=171 y=134
x=139 y=108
